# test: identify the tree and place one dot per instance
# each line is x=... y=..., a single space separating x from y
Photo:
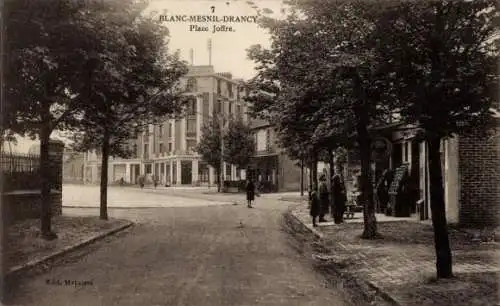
x=209 y=146
x=442 y=65
x=239 y=144
x=42 y=60
x=132 y=83
x=323 y=64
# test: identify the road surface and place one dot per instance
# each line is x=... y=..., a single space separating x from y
x=206 y=255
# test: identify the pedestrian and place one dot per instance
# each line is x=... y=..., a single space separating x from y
x=141 y=182
x=122 y=182
x=382 y=189
x=155 y=181
x=339 y=198
x=250 y=190
x=323 y=198
x=314 y=204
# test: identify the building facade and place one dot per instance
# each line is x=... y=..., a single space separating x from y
x=73 y=166
x=470 y=165
x=167 y=151
x=271 y=168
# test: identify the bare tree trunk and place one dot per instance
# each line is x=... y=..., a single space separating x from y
x=315 y=170
x=332 y=174
x=310 y=176
x=302 y=177
x=441 y=240
x=103 y=213
x=370 y=222
x=45 y=176
x=362 y=112
x=217 y=171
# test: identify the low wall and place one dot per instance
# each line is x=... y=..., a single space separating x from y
x=24 y=204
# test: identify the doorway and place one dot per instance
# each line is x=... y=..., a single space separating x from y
x=186 y=172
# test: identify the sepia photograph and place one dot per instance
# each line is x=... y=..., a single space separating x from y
x=241 y=153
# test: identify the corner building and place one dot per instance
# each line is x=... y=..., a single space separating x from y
x=167 y=150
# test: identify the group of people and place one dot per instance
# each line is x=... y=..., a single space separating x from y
x=320 y=204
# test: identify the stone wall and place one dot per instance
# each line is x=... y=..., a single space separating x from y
x=24 y=201
x=23 y=204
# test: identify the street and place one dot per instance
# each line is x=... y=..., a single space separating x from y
x=206 y=255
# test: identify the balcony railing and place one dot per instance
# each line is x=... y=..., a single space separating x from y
x=266 y=151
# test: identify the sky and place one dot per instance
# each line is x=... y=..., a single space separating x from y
x=228 y=48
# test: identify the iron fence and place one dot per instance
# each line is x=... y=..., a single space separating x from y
x=15 y=162
x=20 y=171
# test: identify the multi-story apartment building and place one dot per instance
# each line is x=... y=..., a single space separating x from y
x=167 y=151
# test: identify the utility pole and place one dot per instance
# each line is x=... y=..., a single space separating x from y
x=222 y=149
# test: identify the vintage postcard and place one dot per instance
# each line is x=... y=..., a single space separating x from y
x=234 y=152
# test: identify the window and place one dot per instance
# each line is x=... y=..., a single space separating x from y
x=169 y=147
x=191 y=85
x=191 y=128
x=146 y=150
x=268 y=140
x=229 y=89
x=162 y=148
x=217 y=106
x=160 y=129
x=192 y=107
x=190 y=144
x=136 y=150
x=170 y=128
x=203 y=173
x=238 y=111
x=230 y=108
x=228 y=172
x=218 y=87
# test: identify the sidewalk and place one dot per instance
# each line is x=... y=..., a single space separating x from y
x=26 y=249
x=401 y=266
x=213 y=195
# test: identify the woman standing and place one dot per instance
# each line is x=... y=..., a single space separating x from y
x=324 y=199
x=250 y=192
x=314 y=204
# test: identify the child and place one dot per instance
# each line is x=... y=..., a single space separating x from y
x=314 y=205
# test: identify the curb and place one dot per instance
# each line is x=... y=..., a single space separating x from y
x=152 y=207
x=34 y=263
x=378 y=290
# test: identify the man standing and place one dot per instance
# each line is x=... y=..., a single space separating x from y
x=339 y=198
x=323 y=198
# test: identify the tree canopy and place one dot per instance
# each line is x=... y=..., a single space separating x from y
x=239 y=144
